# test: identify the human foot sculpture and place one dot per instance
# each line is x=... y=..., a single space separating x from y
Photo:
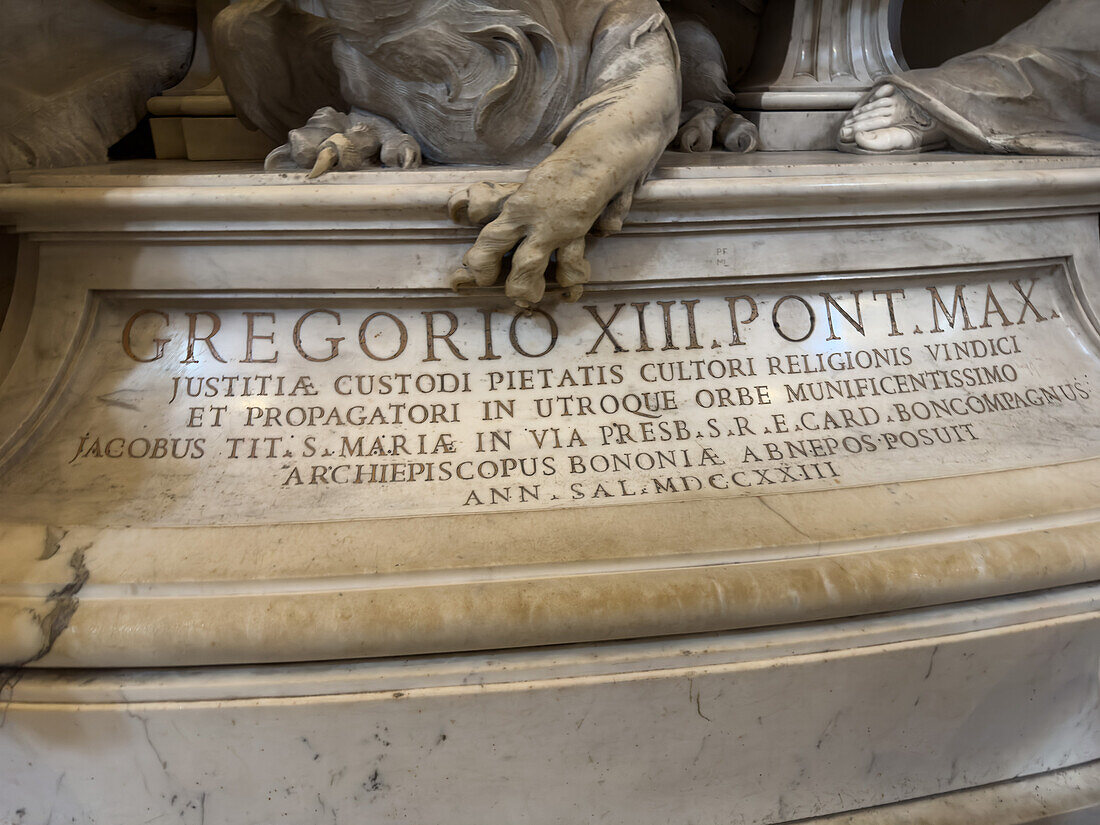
x=888 y=121
x=1034 y=91
x=586 y=91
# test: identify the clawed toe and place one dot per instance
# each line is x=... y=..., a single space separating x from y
x=480 y=203
x=279 y=159
x=462 y=278
x=401 y=151
x=458 y=206
x=730 y=130
x=345 y=151
x=614 y=216
x=573 y=294
x=573 y=270
x=344 y=142
x=306 y=142
x=693 y=139
x=697 y=134
x=525 y=289
x=738 y=134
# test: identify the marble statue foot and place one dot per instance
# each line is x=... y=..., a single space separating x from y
x=346 y=142
x=888 y=122
x=713 y=124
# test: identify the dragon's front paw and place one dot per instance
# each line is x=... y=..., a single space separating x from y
x=346 y=142
x=712 y=124
x=542 y=224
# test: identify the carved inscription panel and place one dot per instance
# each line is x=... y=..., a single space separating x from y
x=208 y=410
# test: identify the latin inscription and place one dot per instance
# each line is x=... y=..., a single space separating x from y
x=356 y=408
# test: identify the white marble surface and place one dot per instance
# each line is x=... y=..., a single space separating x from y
x=320 y=407
x=1065 y=797
x=765 y=727
x=184 y=565
x=705 y=718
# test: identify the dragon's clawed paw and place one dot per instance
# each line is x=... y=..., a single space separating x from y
x=480 y=203
x=711 y=125
x=539 y=230
x=346 y=142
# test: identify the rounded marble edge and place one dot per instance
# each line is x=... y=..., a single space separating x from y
x=1069 y=796
x=740 y=649
x=567 y=609
x=405 y=201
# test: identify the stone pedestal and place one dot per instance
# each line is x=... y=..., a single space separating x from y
x=814 y=60
x=793 y=515
x=203 y=126
x=195 y=119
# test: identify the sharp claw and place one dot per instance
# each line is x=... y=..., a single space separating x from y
x=576 y=275
x=458 y=207
x=526 y=292
x=461 y=278
x=573 y=294
x=408 y=158
x=742 y=141
x=327 y=158
x=278 y=159
x=737 y=135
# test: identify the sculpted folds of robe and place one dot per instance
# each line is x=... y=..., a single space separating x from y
x=1035 y=91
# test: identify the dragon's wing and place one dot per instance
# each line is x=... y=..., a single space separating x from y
x=276 y=63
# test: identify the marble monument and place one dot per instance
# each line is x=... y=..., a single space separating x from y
x=764 y=489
